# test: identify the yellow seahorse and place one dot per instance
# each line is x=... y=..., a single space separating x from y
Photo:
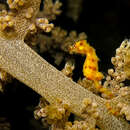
x=90 y=67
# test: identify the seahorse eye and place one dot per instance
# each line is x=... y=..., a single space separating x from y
x=81 y=44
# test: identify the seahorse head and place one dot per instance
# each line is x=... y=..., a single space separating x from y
x=80 y=47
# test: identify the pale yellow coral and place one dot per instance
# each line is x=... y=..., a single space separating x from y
x=3 y=75
x=29 y=13
x=90 y=108
x=127 y=62
x=124 y=109
x=118 y=74
x=15 y=4
x=50 y=10
x=4 y=78
x=6 y=20
x=68 y=69
x=87 y=84
x=43 y=24
x=54 y=113
x=79 y=125
x=32 y=28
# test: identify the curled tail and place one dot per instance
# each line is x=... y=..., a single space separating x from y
x=101 y=89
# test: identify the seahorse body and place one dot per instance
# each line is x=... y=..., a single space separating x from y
x=90 y=67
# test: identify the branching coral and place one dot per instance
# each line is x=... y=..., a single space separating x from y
x=55 y=114
x=59 y=40
x=127 y=64
x=124 y=109
x=23 y=63
x=80 y=125
x=5 y=20
x=68 y=69
x=116 y=76
x=50 y=10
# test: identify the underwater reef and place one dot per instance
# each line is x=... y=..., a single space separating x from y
x=96 y=101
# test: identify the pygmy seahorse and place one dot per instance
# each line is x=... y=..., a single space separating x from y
x=90 y=67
